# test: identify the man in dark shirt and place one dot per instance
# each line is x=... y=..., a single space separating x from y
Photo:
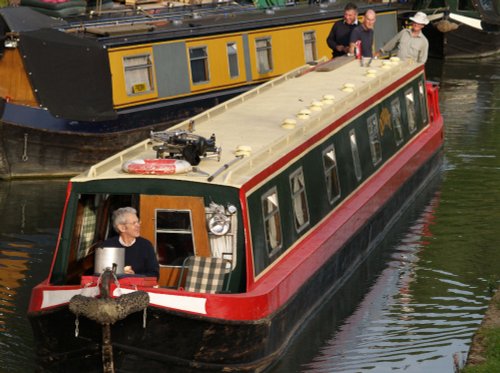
x=339 y=37
x=140 y=256
x=364 y=34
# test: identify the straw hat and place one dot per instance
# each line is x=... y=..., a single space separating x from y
x=420 y=18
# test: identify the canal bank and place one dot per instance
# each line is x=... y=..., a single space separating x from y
x=484 y=353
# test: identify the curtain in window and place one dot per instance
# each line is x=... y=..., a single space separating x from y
x=273 y=221
x=225 y=246
x=137 y=73
x=87 y=231
x=298 y=201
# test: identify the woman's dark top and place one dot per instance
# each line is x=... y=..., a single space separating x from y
x=140 y=256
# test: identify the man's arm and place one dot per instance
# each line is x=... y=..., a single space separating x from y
x=391 y=44
x=330 y=40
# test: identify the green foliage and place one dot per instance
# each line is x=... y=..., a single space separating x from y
x=492 y=353
x=4 y=3
x=488 y=367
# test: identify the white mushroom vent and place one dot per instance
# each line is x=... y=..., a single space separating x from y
x=328 y=99
x=348 y=87
x=243 y=150
x=316 y=106
x=386 y=64
x=304 y=114
x=289 y=124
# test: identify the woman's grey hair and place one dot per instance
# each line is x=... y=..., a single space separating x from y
x=119 y=216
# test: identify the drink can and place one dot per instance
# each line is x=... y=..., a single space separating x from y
x=358 y=50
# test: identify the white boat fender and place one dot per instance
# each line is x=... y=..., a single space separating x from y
x=157 y=166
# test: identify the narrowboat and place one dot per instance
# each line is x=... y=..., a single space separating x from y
x=289 y=186
x=74 y=91
x=462 y=29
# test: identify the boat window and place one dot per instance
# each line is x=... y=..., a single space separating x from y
x=410 y=110
x=331 y=174
x=272 y=220
x=310 y=46
x=174 y=236
x=232 y=57
x=264 y=55
x=198 y=58
x=375 y=146
x=355 y=154
x=423 y=102
x=299 y=200
x=89 y=225
x=138 y=74
x=223 y=225
x=396 y=121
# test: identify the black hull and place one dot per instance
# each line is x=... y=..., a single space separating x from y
x=462 y=43
x=31 y=153
x=175 y=342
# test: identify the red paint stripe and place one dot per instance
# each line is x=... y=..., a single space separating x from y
x=36 y=295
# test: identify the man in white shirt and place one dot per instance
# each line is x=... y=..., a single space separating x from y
x=410 y=43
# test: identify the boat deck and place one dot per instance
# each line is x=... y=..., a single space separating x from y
x=270 y=121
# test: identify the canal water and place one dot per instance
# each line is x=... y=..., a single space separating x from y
x=413 y=306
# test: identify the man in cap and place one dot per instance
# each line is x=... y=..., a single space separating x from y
x=410 y=43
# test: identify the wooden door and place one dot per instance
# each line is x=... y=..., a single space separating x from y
x=177 y=228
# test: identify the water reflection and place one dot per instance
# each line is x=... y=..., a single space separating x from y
x=395 y=327
x=30 y=213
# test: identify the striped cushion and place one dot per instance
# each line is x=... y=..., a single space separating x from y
x=205 y=274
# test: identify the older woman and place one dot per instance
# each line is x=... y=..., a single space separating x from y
x=140 y=257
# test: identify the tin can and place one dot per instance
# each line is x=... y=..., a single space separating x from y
x=357 y=50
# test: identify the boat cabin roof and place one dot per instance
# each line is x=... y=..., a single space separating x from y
x=138 y=25
x=275 y=122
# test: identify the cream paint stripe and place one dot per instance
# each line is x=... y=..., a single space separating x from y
x=191 y=304
x=56 y=297
x=178 y=302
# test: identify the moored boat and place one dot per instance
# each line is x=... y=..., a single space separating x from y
x=291 y=185
x=75 y=91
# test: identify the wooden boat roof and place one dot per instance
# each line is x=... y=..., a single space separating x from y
x=256 y=120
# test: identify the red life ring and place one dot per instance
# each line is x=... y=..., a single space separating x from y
x=160 y=166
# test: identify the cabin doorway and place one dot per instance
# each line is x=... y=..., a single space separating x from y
x=177 y=228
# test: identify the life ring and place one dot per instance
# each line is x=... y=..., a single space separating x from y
x=158 y=166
